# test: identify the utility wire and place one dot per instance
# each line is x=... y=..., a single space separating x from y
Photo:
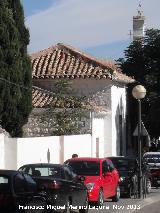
x=34 y=87
x=27 y=88
x=52 y=93
x=18 y=85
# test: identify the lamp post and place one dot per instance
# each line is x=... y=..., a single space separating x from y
x=139 y=93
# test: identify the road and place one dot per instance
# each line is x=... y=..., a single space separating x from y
x=153 y=208
x=126 y=205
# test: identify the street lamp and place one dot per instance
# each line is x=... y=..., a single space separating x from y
x=139 y=93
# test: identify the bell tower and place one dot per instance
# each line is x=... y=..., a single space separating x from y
x=138 y=24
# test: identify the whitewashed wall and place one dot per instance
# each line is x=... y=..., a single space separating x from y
x=2 y=148
x=10 y=152
x=34 y=150
x=97 y=136
x=80 y=144
x=17 y=152
x=108 y=147
x=118 y=97
x=106 y=126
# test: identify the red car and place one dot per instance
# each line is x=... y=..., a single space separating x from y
x=101 y=178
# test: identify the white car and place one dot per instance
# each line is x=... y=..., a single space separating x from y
x=152 y=159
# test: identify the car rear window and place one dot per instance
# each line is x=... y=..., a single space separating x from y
x=43 y=170
x=88 y=168
x=123 y=164
x=4 y=184
x=152 y=158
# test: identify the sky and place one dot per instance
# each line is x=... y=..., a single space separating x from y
x=98 y=27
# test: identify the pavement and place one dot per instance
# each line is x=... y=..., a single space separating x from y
x=153 y=208
x=126 y=205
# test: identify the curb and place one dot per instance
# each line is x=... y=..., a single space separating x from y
x=136 y=205
x=146 y=202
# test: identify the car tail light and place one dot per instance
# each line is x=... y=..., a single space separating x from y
x=156 y=173
x=54 y=185
x=1 y=199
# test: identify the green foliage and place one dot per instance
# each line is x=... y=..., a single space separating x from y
x=67 y=121
x=15 y=66
x=142 y=61
x=65 y=115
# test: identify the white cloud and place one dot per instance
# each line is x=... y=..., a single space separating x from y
x=87 y=23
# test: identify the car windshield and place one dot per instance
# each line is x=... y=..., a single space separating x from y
x=42 y=170
x=88 y=168
x=124 y=164
x=150 y=158
x=4 y=184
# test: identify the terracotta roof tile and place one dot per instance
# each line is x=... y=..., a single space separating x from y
x=43 y=99
x=64 y=61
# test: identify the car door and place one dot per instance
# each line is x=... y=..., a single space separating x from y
x=81 y=190
x=107 y=179
x=19 y=187
x=31 y=186
x=76 y=188
x=115 y=177
x=5 y=192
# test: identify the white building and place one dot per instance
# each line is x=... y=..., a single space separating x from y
x=101 y=81
x=104 y=85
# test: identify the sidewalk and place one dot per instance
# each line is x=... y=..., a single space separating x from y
x=125 y=205
x=135 y=205
x=149 y=200
x=152 y=208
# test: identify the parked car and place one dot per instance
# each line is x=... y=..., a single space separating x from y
x=17 y=190
x=101 y=178
x=128 y=171
x=63 y=188
x=152 y=159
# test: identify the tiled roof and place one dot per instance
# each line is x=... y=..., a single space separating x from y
x=40 y=98
x=44 y=99
x=64 y=61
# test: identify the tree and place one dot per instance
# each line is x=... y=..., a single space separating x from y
x=65 y=116
x=142 y=61
x=15 y=68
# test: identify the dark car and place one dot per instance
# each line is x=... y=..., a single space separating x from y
x=128 y=171
x=127 y=168
x=63 y=188
x=101 y=178
x=152 y=159
x=17 y=190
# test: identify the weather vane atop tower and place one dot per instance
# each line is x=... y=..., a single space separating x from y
x=140 y=12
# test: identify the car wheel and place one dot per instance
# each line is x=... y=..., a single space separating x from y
x=85 y=207
x=100 y=201
x=148 y=190
x=117 y=195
